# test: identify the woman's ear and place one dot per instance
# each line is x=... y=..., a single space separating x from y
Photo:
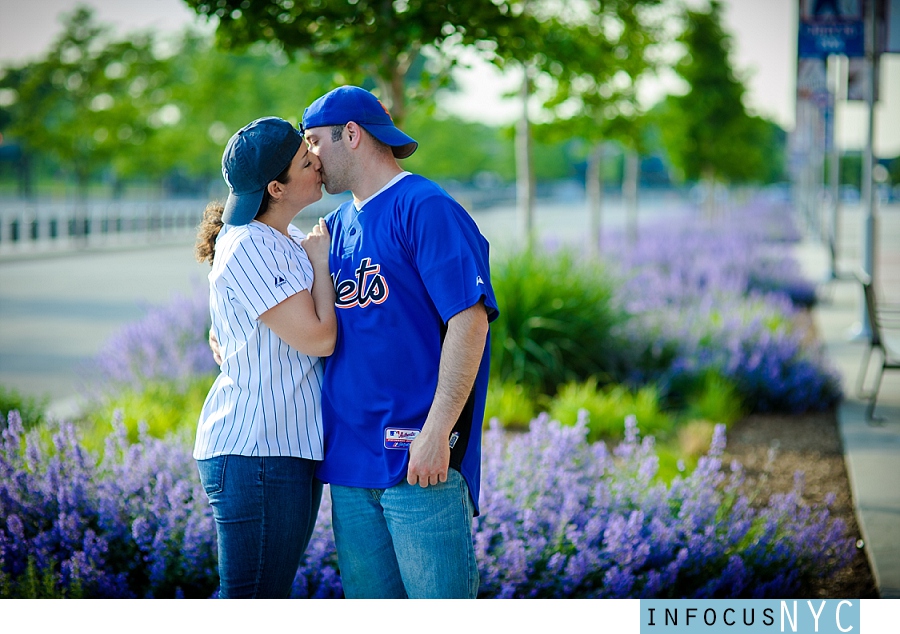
x=275 y=190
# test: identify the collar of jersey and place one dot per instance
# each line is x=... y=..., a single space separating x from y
x=388 y=185
x=275 y=232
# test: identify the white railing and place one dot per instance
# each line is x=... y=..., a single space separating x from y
x=38 y=227
x=33 y=227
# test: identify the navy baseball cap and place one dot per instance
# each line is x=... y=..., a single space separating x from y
x=254 y=156
x=351 y=103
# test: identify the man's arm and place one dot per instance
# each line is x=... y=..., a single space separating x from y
x=429 y=453
x=216 y=349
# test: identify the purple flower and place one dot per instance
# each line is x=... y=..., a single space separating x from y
x=169 y=343
x=564 y=518
x=560 y=518
x=719 y=296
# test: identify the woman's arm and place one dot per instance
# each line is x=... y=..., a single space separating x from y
x=306 y=320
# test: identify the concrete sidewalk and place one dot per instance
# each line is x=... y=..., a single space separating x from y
x=871 y=450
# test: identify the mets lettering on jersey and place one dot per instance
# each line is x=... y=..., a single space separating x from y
x=368 y=287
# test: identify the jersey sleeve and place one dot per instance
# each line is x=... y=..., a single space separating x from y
x=452 y=256
x=262 y=273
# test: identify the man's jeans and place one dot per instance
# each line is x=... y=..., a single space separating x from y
x=265 y=510
x=406 y=541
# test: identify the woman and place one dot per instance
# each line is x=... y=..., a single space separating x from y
x=272 y=304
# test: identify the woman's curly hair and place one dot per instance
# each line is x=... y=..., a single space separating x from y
x=205 y=247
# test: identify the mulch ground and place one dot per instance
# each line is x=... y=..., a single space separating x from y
x=809 y=443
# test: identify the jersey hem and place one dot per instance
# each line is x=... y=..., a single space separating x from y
x=255 y=454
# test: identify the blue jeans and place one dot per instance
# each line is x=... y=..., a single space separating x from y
x=265 y=510
x=406 y=541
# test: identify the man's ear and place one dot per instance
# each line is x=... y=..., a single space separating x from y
x=354 y=134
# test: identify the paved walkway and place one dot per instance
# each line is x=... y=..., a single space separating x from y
x=58 y=310
x=872 y=451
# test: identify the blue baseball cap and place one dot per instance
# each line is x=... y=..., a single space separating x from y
x=351 y=103
x=254 y=156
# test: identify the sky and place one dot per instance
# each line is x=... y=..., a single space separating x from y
x=764 y=37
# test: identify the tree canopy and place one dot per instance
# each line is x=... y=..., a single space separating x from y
x=707 y=131
x=374 y=39
x=98 y=104
x=87 y=97
x=595 y=96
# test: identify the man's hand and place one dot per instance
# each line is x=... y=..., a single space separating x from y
x=429 y=453
x=214 y=346
x=429 y=459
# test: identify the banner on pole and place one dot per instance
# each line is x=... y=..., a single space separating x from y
x=812 y=81
x=831 y=27
x=892 y=26
x=809 y=138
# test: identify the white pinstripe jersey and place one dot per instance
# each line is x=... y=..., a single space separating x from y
x=266 y=400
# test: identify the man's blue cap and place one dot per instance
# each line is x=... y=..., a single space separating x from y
x=254 y=156
x=351 y=103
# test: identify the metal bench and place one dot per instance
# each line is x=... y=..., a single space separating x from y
x=881 y=317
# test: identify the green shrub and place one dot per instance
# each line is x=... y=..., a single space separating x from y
x=556 y=321
x=35 y=584
x=673 y=461
x=31 y=409
x=510 y=403
x=166 y=406
x=607 y=409
x=695 y=437
x=715 y=398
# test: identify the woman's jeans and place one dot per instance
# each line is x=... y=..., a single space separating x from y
x=406 y=541
x=265 y=510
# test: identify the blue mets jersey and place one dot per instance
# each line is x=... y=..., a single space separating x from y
x=403 y=265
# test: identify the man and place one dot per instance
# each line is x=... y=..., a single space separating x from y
x=403 y=394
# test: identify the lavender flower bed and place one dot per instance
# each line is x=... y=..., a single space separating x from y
x=560 y=518
x=169 y=343
x=563 y=518
x=702 y=295
x=717 y=295
x=135 y=523
x=130 y=525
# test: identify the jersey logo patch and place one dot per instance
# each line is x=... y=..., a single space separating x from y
x=478 y=280
x=396 y=438
x=368 y=287
x=280 y=281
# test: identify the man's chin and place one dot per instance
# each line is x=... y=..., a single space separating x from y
x=333 y=190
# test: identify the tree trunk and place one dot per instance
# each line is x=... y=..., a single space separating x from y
x=594 y=190
x=630 y=193
x=398 y=97
x=393 y=96
x=392 y=85
x=709 y=189
x=117 y=187
x=25 y=173
x=524 y=171
x=79 y=231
